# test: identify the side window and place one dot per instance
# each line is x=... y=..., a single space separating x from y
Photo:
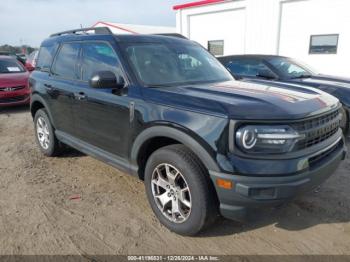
x=45 y=56
x=98 y=57
x=246 y=67
x=65 y=64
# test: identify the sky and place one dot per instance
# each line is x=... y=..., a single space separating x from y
x=31 y=21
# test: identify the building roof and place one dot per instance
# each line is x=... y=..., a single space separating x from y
x=197 y=3
x=118 y=28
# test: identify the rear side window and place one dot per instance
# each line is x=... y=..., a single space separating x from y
x=245 y=67
x=98 y=57
x=45 y=57
x=65 y=64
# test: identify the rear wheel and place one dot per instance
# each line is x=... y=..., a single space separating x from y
x=44 y=134
x=179 y=191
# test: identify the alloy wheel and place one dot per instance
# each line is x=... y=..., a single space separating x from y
x=171 y=193
x=42 y=130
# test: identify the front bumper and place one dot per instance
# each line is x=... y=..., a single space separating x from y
x=13 y=98
x=263 y=191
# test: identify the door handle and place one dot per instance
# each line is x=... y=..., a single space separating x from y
x=80 y=96
x=48 y=86
x=51 y=90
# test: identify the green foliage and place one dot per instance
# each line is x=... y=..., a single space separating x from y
x=16 y=49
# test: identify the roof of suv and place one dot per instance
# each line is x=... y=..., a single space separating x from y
x=252 y=56
x=119 y=38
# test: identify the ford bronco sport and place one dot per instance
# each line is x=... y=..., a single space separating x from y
x=165 y=110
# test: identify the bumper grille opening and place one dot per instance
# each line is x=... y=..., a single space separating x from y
x=315 y=160
x=13 y=99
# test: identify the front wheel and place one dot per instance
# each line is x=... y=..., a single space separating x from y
x=179 y=190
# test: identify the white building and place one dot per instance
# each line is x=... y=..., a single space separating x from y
x=316 y=32
x=118 y=28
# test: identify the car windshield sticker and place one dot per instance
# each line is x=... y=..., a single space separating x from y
x=13 y=69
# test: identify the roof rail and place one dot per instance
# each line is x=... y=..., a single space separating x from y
x=97 y=30
x=173 y=35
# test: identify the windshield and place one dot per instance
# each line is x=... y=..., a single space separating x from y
x=289 y=68
x=163 y=64
x=10 y=66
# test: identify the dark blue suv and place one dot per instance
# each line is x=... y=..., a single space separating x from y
x=282 y=71
x=165 y=110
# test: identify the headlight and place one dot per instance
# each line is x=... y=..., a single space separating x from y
x=267 y=139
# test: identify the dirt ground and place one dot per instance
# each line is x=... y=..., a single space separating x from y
x=74 y=204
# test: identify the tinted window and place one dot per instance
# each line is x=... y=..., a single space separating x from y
x=172 y=64
x=98 y=57
x=245 y=67
x=45 y=56
x=289 y=68
x=8 y=66
x=323 y=44
x=66 y=62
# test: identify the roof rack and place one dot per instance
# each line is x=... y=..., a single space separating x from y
x=173 y=35
x=97 y=30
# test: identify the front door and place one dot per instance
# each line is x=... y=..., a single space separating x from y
x=102 y=115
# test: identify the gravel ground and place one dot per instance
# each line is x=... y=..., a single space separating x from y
x=74 y=204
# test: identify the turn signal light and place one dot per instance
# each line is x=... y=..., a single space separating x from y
x=226 y=184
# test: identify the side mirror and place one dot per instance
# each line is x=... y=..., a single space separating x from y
x=265 y=73
x=106 y=79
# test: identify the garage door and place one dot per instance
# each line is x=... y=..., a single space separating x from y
x=228 y=25
x=303 y=18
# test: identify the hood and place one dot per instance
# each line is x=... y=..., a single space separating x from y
x=331 y=80
x=323 y=80
x=337 y=86
x=246 y=100
x=14 y=79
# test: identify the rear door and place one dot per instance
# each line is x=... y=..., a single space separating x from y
x=61 y=86
x=102 y=115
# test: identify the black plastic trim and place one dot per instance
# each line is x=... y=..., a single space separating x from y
x=37 y=98
x=111 y=159
x=164 y=131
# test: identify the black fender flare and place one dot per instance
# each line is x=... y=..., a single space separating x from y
x=38 y=98
x=173 y=133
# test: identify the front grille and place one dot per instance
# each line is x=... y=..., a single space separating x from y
x=11 y=88
x=317 y=129
x=13 y=99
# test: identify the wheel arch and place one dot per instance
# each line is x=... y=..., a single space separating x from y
x=37 y=102
x=162 y=136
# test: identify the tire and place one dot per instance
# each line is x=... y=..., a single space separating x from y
x=43 y=128
x=344 y=123
x=201 y=195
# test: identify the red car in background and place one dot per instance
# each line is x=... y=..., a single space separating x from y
x=14 y=89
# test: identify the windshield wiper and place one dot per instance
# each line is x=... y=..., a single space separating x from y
x=159 y=85
x=301 y=76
